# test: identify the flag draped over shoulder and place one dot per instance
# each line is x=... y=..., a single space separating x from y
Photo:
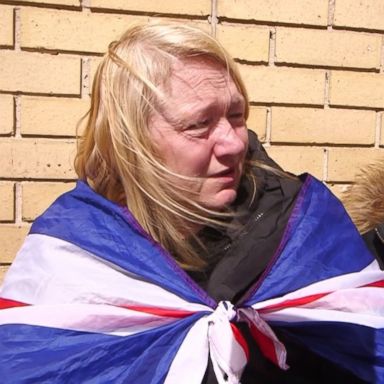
x=90 y=297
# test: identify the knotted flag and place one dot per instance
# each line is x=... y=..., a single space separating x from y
x=91 y=297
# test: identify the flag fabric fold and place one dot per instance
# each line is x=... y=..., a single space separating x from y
x=91 y=296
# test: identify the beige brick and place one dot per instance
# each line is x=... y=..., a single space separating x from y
x=37 y=158
x=3 y=271
x=204 y=25
x=298 y=159
x=367 y=14
x=345 y=163
x=51 y=116
x=70 y=30
x=55 y=2
x=6 y=25
x=357 y=89
x=7 y=195
x=246 y=42
x=257 y=121
x=34 y=72
x=77 y=31
x=6 y=114
x=196 y=7
x=338 y=189
x=310 y=125
x=284 y=85
x=11 y=239
x=312 y=12
x=37 y=197
x=328 y=48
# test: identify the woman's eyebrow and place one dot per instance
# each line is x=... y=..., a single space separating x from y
x=182 y=115
x=198 y=110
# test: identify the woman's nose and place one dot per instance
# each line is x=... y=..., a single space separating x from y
x=229 y=140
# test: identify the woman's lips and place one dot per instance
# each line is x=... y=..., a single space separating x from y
x=227 y=175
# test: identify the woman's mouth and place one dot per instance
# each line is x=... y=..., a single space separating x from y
x=226 y=175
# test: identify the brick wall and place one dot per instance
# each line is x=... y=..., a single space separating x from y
x=314 y=71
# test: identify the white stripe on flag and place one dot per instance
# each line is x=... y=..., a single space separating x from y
x=367 y=276
x=84 y=318
x=48 y=270
x=192 y=357
x=291 y=315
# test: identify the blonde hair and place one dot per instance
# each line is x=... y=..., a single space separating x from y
x=115 y=153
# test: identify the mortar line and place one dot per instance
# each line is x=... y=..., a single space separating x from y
x=268 y=131
x=17 y=134
x=382 y=55
x=272 y=47
x=331 y=14
x=85 y=77
x=327 y=88
x=379 y=116
x=213 y=17
x=85 y=5
x=18 y=203
x=17 y=119
x=17 y=29
x=325 y=164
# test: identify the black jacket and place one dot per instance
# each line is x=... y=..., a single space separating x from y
x=374 y=240
x=239 y=256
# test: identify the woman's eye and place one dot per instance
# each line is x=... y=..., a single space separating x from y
x=198 y=129
x=199 y=124
x=239 y=115
x=237 y=119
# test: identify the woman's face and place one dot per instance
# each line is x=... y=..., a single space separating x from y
x=199 y=131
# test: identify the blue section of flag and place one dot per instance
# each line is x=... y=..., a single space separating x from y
x=348 y=345
x=320 y=242
x=33 y=354
x=97 y=225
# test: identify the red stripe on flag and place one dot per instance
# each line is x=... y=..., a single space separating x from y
x=294 y=302
x=6 y=303
x=240 y=339
x=311 y=298
x=266 y=345
x=159 y=311
x=378 y=284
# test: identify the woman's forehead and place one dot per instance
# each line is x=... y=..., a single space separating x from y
x=199 y=78
x=199 y=71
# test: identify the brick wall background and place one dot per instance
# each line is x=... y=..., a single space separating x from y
x=314 y=71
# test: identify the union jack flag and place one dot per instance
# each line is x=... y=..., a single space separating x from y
x=91 y=297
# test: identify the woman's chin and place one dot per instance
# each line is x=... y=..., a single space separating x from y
x=220 y=200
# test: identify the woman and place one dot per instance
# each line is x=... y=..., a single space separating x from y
x=185 y=254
